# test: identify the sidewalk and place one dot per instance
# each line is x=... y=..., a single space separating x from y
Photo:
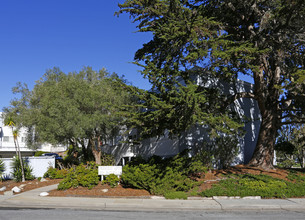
x=31 y=199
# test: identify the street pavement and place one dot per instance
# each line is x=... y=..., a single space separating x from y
x=32 y=199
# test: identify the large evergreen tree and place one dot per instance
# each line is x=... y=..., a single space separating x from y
x=225 y=39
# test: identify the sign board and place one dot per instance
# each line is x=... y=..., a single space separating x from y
x=107 y=170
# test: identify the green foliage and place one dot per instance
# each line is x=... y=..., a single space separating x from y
x=296 y=176
x=39 y=178
x=175 y=195
x=82 y=109
x=160 y=176
x=54 y=173
x=195 y=42
x=112 y=180
x=290 y=146
x=17 y=172
x=256 y=185
x=39 y=153
x=82 y=175
x=220 y=151
x=107 y=160
x=2 y=168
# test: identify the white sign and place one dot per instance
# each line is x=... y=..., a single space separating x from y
x=107 y=170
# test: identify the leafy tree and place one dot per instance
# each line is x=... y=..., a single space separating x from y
x=224 y=39
x=79 y=109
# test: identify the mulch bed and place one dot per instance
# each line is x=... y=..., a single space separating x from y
x=210 y=178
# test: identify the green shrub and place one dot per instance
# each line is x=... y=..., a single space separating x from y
x=82 y=175
x=17 y=171
x=140 y=177
x=175 y=195
x=112 y=180
x=54 y=173
x=159 y=176
x=39 y=179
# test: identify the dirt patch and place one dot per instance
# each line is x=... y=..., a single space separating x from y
x=244 y=169
x=101 y=191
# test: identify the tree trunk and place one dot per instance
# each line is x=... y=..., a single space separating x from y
x=267 y=96
x=264 y=152
x=97 y=153
x=21 y=162
x=18 y=154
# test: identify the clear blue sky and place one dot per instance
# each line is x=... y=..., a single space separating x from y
x=36 y=35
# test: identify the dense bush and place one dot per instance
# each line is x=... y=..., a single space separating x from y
x=112 y=180
x=256 y=185
x=54 y=173
x=17 y=171
x=160 y=176
x=82 y=175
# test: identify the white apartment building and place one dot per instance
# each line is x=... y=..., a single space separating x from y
x=7 y=145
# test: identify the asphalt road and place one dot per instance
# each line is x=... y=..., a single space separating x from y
x=67 y=214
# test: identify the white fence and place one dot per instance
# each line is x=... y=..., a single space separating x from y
x=39 y=165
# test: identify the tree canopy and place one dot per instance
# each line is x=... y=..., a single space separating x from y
x=225 y=39
x=79 y=109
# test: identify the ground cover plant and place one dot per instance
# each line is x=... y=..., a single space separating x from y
x=259 y=185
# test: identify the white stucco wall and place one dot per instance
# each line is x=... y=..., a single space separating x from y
x=39 y=165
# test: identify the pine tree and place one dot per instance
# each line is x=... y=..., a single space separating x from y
x=263 y=39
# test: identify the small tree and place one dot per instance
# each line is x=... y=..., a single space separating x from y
x=20 y=172
x=10 y=122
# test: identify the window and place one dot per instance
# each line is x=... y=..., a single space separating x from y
x=6 y=138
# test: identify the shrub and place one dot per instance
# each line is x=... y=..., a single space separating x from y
x=112 y=180
x=140 y=177
x=54 y=173
x=17 y=172
x=175 y=195
x=82 y=175
x=160 y=176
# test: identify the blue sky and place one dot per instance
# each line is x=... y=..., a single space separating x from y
x=36 y=35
